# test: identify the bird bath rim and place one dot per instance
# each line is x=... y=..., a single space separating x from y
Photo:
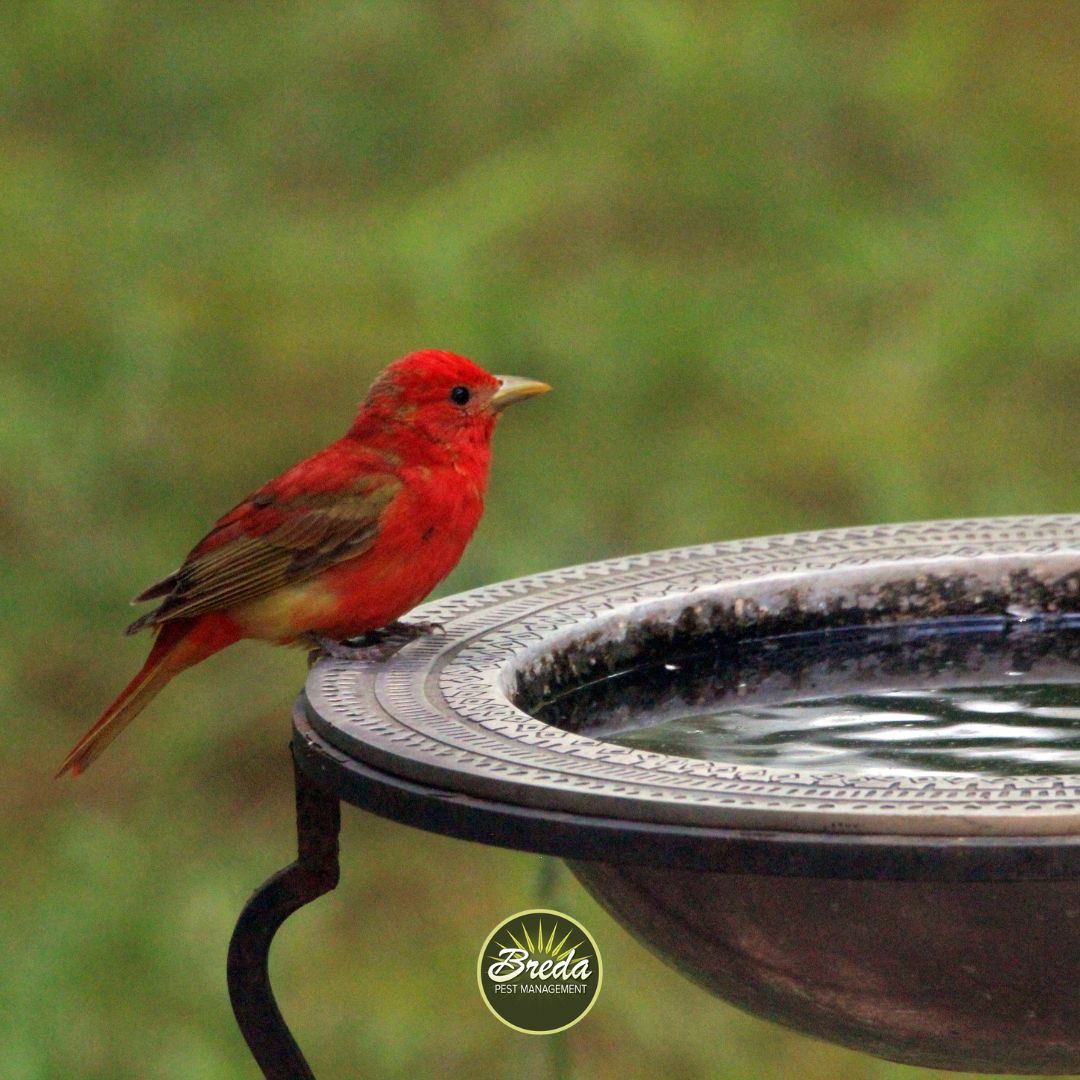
x=441 y=712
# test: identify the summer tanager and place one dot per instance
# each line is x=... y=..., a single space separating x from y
x=340 y=545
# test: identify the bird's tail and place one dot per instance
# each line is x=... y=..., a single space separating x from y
x=179 y=644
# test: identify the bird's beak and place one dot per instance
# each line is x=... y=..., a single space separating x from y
x=514 y=388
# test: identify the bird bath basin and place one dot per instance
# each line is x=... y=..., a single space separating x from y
x=921 y=907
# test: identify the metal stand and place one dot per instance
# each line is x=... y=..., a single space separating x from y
x=318 y=820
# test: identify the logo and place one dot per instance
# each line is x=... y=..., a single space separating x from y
x=539 y=971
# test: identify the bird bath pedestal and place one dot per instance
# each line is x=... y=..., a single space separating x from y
x=928 y=917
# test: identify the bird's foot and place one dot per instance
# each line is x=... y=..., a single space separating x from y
x=410 y=631
x=374 y=646
x=339 y=650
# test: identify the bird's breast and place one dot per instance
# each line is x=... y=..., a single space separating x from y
x=421 y=537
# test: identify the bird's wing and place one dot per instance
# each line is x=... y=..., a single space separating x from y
x=271 y=540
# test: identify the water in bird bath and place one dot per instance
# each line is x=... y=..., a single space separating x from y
x=987 y=695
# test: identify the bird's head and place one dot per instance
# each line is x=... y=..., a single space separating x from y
x=440 y=396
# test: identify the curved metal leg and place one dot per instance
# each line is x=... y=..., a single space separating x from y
x=318 y=820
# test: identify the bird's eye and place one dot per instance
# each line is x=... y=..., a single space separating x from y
x=460 y=395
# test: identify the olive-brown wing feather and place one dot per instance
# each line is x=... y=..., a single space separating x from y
x=274 y=544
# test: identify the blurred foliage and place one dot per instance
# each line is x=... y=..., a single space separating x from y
x=788 y=265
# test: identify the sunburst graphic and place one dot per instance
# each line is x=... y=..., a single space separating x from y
x=537 y=949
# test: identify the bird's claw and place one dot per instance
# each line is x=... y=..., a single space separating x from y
x=373 y=647
x=339 y=650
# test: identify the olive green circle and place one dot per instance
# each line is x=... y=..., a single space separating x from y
x=542 y=1006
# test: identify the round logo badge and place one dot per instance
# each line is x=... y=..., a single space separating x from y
x=539 y=971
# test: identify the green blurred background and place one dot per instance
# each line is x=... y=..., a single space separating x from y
x=788 y=265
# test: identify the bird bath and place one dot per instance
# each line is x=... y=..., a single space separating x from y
x=921 y=914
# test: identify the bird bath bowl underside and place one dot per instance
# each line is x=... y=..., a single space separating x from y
x=926 y=916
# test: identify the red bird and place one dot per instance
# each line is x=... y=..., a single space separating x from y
x=341 y=544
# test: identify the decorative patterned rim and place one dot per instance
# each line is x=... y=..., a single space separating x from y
x=439 y=712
